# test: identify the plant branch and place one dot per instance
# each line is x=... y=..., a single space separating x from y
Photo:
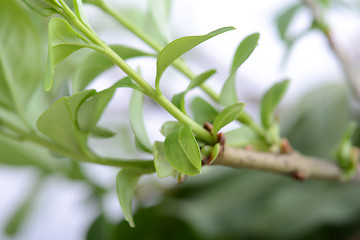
x=51 y=146
x=179 y=65
x=294 y=164
x=148 y=89
x=348 y=67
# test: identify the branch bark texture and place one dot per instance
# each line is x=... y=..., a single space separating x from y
x=298 y=166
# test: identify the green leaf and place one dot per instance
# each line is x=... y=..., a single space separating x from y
x=91 y=109
x=203 y=111
x=41 y=7
x=79 y=11
x=158 y=23
x=178 y=47
x=270 y=101
x=200 y=79
x=244 y=50
x=226 y=116
x=179 y=101
x=126 y=181
x=182 y=151
x=162 y=165
x=20 y=56
x=245 y=136
x=285 y=18
x=96 y=63
x=59 y=121
x=63 y=41
x=16 y=221
x=137 y=121
x=100 y=132
x=169 y=127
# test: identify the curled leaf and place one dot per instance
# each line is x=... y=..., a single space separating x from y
x=182 y=151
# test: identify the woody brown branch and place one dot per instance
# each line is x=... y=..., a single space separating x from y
x=294 y=164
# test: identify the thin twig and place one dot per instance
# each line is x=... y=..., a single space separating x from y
x=347 y=65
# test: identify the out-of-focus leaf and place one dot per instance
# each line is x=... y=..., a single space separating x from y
x=20 y=56
x=169 y=127
x=178 y=47
x=285 y=18
x=226 y=116
x=41 y=6
x=179 y=101
x=96 y=63
x=157 y=23
x=59 y=121
x=16 y=221
x=162 y=166
x=245 y=136
x=200 y=79
x=244 y=50
x=91 y=109
x=312 y=125
x=203 y=111
x=101 y=132
x=182 y=151
x=137 y=121
x=270 y=101
x=21 y=154
x=63 y=41
x=126 y=181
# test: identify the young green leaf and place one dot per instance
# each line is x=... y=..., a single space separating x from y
x=182 y=151
x=16 y=221
x=245 y=136
x=169 y=127
x=96 y=63
x=20 y=56
x=162 y=166
x=270 y=100
x=63 y=41
x=200 y=79
x=137 y=121
x=284 y=19
x=178 y=47
x=226 y=116
x=91 y=109
x=42 y=7
x=100 y=132
x=59 y=121
x=126 y=181
x=203 y=111
x=158 y=23
x=179 y=101
x=244 y=50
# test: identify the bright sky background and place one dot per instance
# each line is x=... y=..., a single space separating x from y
x=311 y=63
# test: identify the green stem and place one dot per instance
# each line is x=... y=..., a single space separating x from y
x=150 y=91
x=34 y=138
x=200 y=132
x=179 y=65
